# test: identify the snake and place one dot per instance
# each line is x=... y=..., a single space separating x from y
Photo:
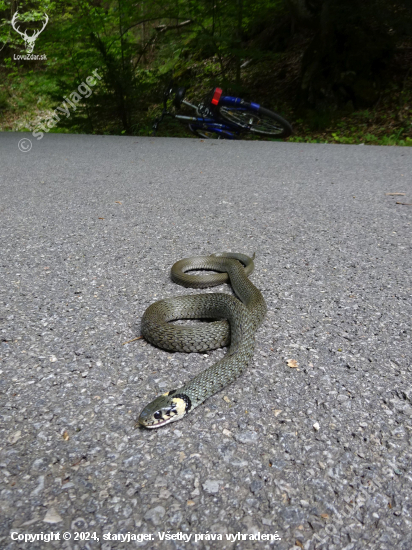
x=235 y=320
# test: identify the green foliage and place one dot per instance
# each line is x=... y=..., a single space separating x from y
x=4 y=104
x=352 y=44
x=337 y=53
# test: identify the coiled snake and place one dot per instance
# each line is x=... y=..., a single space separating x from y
x=241 y=320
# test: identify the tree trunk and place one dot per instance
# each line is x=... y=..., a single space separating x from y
x=239 y=39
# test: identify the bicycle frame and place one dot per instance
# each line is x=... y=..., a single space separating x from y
x=207 y=119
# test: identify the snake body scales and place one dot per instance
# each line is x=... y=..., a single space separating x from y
x=238 y=321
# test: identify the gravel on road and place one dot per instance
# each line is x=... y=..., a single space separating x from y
x=310 y=448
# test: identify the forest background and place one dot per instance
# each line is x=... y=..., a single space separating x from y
x=339 y=70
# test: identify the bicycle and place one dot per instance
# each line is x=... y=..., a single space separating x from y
x=224 y=117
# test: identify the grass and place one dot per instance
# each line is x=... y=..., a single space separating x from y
x=25 y=99
x=383 y=125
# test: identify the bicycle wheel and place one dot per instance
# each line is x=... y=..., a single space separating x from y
x=210 y=133
x=261 y=122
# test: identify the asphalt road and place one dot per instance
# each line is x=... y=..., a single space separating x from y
x=315 y=453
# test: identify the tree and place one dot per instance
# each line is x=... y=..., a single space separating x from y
x=351 y=44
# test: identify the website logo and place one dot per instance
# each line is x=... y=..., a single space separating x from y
x=29 y=41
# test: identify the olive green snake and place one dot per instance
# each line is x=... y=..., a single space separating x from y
x=237 y=323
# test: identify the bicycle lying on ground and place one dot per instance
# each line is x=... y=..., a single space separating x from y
x=225 y=117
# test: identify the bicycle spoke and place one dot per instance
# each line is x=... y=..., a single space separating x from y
x=254 y=122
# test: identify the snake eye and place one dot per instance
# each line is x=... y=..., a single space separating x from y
x=158 y=415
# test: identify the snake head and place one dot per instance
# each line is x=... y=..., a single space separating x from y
x=166 y=408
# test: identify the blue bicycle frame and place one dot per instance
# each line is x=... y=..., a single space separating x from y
x=226 y=129
x=209 y=120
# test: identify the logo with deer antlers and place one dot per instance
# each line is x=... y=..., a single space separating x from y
x=29 y=41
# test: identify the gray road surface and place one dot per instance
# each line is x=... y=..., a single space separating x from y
x=317 y=455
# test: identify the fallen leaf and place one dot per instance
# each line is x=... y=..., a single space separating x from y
x=404 y=203
x=14 y=437
x=101 y=218
x=298 y=543
x=324 y=516
x=117 y=202
x=393 y=194
x=66 y=436
x=190 y=502
x=226 y=399
x=293 y=364
x=277 y=411
x=52 y=516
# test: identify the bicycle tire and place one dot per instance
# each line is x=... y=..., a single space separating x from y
x=210 y=133
x=259 y=122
